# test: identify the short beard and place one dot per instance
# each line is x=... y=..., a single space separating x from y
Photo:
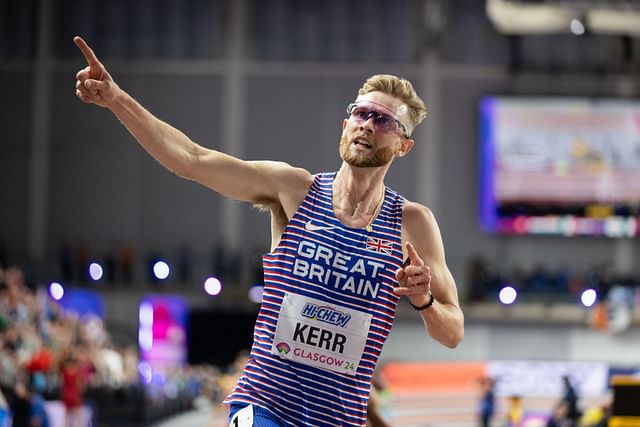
x=375 y=159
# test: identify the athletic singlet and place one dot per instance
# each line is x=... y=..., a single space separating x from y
x=327 y=308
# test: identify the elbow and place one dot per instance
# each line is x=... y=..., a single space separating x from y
x=458 y=333
x=188 y=164
x=454 y=340
x=454 y=336
x=185 y=167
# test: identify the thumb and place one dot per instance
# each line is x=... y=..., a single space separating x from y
x=95 y=84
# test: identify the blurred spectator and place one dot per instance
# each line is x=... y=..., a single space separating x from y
x=73 y=385
x=110 y=366
x=487 y=400
x=559 y=416
x=41 y=361
x=38 y=412
x=570 y=397
x=515 y=413
x=596 y=416
x=20 y=404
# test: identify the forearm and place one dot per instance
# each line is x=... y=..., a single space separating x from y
x=172 y=148
x=443 y=318
x=444 y=323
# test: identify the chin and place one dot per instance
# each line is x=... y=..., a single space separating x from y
x=374 y=159
x=370 y=160
x=362 y=163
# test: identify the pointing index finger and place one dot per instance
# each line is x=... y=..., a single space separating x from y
x=413 y=255
x=91 y=57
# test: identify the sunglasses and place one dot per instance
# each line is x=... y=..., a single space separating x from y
x=362 y=112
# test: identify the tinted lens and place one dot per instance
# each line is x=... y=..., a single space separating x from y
x=381 y=122
x=361 y=114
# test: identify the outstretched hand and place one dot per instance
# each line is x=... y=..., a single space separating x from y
x=94 y=84
x=414 y=279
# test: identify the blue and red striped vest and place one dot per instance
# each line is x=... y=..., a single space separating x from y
x=328 y=307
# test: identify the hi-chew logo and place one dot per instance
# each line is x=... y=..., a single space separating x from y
x=325 y=314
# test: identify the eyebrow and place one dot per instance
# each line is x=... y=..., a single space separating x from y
x=395 y=116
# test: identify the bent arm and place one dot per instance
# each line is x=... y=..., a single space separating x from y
x=444 y=320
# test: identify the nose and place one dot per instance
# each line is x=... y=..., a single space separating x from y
x=369 y=124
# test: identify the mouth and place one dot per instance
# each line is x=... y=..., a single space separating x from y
x=362 y=142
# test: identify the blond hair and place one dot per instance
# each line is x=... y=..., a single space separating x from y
x=399 y=88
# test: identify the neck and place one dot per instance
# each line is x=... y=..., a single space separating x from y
x=363 y=193
x=364 y=185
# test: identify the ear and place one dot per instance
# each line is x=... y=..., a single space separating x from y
x=344 y=124
x=405 y=146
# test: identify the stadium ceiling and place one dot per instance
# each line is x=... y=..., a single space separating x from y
x=521 y=17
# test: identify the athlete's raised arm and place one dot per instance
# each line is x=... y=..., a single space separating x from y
x=256 y=181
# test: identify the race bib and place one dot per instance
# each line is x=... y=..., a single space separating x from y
x=243 y=418
x=319 y=334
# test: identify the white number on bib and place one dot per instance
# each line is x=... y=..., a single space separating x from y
x=243 y=418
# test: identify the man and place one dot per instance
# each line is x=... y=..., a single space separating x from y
x=335 y=271
x=570 y=398
x=487 y=400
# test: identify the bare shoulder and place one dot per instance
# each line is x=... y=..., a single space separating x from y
x=416 y=216
x=287 y=174
x=290 y=185
x=419 y=226
x=281 y=177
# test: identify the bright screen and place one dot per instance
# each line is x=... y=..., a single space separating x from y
x=560 y=166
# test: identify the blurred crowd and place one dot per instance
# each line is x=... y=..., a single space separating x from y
x=59 y=369
x=565 y=412
x=486 y=279
x=47 y=354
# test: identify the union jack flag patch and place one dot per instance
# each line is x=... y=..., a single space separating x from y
x=379 y=245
